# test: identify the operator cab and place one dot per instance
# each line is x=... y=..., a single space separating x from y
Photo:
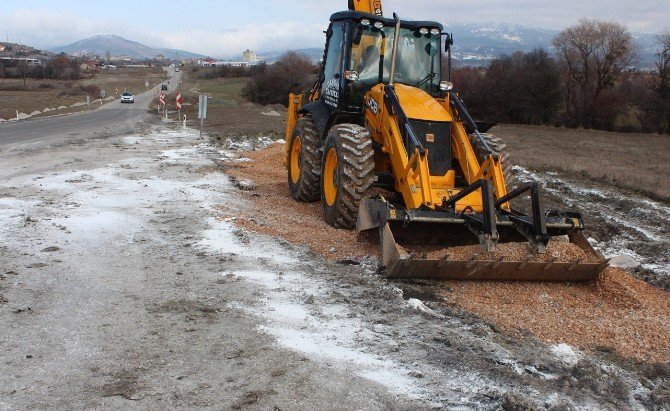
x=358 y=56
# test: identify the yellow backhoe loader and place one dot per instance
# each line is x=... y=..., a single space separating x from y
x=389 y=148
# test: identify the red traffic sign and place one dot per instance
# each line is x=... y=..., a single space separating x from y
x=179 y=101
x=162 y=99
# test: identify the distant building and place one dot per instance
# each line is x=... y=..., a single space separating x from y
x=250 y=56
x=249 y=59
x=122 y=57
x=89 y=65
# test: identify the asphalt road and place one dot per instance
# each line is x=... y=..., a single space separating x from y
x=110 y=116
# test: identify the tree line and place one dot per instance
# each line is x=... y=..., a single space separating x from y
x=271 y=83
x=587 y=83
x=60 y=68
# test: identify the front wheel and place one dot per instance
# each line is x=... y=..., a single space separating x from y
x=347 y=173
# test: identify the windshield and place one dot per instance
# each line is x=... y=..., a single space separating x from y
x=418 y=61
x=127 y=94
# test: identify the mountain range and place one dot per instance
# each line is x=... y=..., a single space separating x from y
x=118 y=46
x=480 y=43
x=474 y=44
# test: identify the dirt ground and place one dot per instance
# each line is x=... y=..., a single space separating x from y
x=126 y=284
x=618 y=311
x=635 y=162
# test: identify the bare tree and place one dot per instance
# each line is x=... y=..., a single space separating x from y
x=61 y=64
x=593 y=54
x=660 y=83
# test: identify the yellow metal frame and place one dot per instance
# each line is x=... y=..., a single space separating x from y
x=369 y=6
x=294 y=104
x=412 y=176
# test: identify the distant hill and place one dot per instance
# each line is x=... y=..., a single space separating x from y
x=479 y=43
x=118 y=46
x=476 y=43
x=21 y=50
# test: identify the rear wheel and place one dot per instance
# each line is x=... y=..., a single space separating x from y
x=304 y=161
x=347 y=173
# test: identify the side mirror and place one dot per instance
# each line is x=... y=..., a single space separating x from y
x=448 y=42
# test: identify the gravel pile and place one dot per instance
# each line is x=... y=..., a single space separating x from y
x=561 y=251
x=616 y=312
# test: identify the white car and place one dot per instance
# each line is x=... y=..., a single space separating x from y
x=177 y=69
x=127 y=97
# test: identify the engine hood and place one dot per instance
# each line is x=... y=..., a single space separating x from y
x=420 y=105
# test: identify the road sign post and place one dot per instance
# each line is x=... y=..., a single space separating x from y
x=162 y=102
x=202 y=112
x=179 y=100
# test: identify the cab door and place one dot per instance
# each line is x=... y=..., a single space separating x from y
x=332 y=85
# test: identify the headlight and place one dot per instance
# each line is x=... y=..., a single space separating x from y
x=379 y=25
x=423 y=31
x=446 y=85
x=435 y=32
x=365 y=22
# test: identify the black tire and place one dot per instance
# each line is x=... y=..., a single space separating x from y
x=353 y=176
x=498 y=147
x=306 y=187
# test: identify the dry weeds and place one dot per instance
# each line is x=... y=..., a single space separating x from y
x=636 y=162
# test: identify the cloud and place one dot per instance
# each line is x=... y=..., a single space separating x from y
x=261 y=38
x=291 y=24
x=48 y=29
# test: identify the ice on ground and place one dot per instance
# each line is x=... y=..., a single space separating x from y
x=250 y=145
x=420 y=306
x=639 y=229
x=223 y=237
x=272 y=113
x=339 y=340
x=566 y=353
x=624 y=261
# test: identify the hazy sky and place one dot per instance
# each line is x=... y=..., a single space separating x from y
x=225 y=28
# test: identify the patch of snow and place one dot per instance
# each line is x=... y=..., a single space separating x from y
x=62 y=107
x=271 y=113
x=224 y=238
x=566 y=354
x=624 y=261
x=34 y=113
x=418 y=305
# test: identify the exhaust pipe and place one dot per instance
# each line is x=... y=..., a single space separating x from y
x=394 y=53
